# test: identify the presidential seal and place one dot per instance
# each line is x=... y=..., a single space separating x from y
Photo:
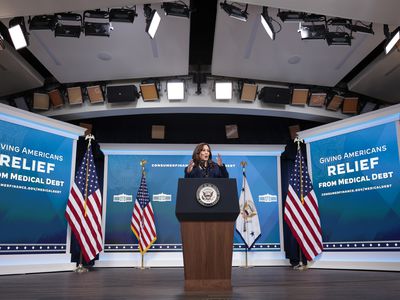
x=207 y=194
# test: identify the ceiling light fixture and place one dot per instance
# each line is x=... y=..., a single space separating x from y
x=176 y=9
x=338 y=38
x=266 y=22
x=223 y=90
x=96 y=23
x=291 y=16
x=360 y=27
x=125 y=15
x=152 y=20
x=175 y=90
x=42 y=22
x=234 y=11
x=18 y=33
x=68 y=25
x=2 y=43
x=393 y=38
x=312 y=32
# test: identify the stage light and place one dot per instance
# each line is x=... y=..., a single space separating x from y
x=95 y=94
x=368 y=106
x=266 y=22
x=291 y=16
x=350 y=105
x=393 y=40
x=175 y=90
x=360 y=27
x=311 y=18
x=248 y=92
x=41 y=101
x=335 y=103
x=75 y=95
x=56 y=98
x=152 y=20
x=149 y=91
x=300 y=96
x=234 y=11
x=18 y=33
x=68 y=25
x=338 y=38
x=122 y=15
x=96 y=23
x=176 y=9
x=223 y=90
x=42 y=22
x=312 y=32
x=338 y=22
x=317 y=99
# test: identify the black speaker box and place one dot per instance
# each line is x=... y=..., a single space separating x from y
x=275 y=95
x=122 y=93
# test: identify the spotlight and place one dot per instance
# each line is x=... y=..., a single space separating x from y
x=266 y=22
x=43 y=22
x=393 y=40
x=234 y=11
x=223 y=90
x=68 y=25
x=291 y=16
x=312 y=32
x=152 y=20
x=18 y=33
x=176 y=9
x=175 y=90
x=97 y=23
x=338 y=38
x=122 y=15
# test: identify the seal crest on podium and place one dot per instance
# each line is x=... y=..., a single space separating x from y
x=208 y=194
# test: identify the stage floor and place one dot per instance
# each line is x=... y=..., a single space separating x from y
x=167 y=283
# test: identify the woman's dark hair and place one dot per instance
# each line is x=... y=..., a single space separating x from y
x=196 y=154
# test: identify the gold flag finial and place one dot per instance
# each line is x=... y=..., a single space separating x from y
x=143 y=162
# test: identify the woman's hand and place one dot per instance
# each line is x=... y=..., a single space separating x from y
x=219 y=160
x=190 y=166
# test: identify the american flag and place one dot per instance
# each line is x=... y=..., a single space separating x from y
x=142 y=222
x=84 y=215
x=301 y=210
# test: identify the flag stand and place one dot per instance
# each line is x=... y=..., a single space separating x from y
x=80 y=268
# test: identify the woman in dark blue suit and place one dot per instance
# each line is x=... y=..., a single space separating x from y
x=202 y=165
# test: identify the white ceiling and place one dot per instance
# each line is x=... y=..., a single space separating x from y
x=241 y=50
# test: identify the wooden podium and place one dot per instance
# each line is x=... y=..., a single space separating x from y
x=207 y=233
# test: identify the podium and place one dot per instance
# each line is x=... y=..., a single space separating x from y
x=207 y=209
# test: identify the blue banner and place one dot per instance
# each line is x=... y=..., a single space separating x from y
x=162 y=173
x=35 y=171
x=356 y=178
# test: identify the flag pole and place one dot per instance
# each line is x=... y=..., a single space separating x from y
x=142 y=164
x=244 y=164
x=297 y=140
x=89 y=137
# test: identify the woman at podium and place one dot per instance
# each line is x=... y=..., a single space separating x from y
x=202 y=165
